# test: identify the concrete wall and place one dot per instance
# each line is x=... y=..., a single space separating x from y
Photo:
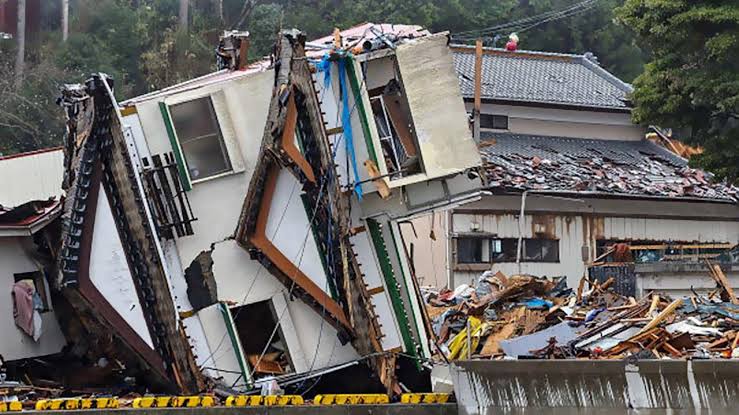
x=600 y=386
x=579 y=223
x=36 y=176
x=565 y=122
x=14 y=343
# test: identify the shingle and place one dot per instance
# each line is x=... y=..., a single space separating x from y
x=541 y=78
x=635 y=168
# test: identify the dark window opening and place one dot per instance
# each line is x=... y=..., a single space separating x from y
x=200 y=138
x=392 y=119
x=484 y=250
x=254 y=325
x=645 y=251
x=494 y=121
x=37 y=280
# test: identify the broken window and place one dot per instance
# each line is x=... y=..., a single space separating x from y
x=494 y=121
x=541 y=250
x=262 y=339
x=645 y=251
x=399 y=150
x=37 y=281
x=200 y=138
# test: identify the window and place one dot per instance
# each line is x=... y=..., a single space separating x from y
x=266 y=352
x=393 y=127
x=485 y=250
x=200 y=138
x=473 y=250
x=493 y=121
x=541 y=250
x=37 y=280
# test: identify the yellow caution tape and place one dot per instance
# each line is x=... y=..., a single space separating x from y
x=11 y=406
x=76 y=403
x=425 y=397
x=173 y=402
x=351 y=399
x=269 y=400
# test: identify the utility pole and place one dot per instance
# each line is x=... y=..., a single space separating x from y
x=20 y=58
x=184 y=6
x=478 y=92
x=65 y=20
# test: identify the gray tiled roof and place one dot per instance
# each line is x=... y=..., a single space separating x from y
x=628 y=168
x=539 y=77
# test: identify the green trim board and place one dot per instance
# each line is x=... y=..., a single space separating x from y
x=419 y=329
x=392 y=285
x=235 y=343
x=181 y=168
x=357 y=93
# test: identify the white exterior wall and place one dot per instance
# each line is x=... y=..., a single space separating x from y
x=576 y=123
x=578 y=232
x=35 y=176
x=14 y=343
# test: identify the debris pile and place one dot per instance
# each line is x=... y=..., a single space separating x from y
x=524 y=316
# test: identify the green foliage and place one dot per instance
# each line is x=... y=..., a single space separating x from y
x=692 y=82
x=140 y=43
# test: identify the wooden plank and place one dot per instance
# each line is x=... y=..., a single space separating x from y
x=663 y=315
x=718 y=275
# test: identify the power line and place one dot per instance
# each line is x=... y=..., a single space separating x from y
x=529 y=22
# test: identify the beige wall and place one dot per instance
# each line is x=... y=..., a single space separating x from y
x=566 y=123
x=430 y=257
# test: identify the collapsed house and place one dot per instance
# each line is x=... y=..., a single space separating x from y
x=29 y=320
x=245 y=224
x=576 y=189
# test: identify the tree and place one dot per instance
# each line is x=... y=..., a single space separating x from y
x=65 y=20
x=184 y=11
x=692 y=82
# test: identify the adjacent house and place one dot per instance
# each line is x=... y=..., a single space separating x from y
x=28 y=204
x=575 y=188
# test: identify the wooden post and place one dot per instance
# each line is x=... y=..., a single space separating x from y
x=478 y=92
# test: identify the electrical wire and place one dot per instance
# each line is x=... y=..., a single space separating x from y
x=528 y=23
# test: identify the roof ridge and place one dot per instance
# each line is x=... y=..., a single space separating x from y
x=520 y=52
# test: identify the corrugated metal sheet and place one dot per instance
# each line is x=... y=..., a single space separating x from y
x=31 y=176
x=581 y=386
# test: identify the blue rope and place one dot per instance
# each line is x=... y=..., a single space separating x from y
x=346 y=123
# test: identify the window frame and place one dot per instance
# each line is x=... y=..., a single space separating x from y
x=490 y=241
x=218 y=133
x=39 y=279
x=493 y=118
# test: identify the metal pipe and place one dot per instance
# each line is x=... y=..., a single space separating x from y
x=520 y=230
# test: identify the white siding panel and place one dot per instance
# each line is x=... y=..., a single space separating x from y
x=31 y=177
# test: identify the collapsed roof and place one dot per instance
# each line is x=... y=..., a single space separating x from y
x=541 y=77
x=620 y=168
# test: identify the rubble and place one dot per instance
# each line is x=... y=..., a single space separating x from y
x=638 y=168
x=524 y=316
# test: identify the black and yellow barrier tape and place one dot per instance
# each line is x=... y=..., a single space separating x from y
x=173 y=402
x=351 y=399
x=76 y=403
x=269 y=400
x=425 y=397
x=11 y=406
